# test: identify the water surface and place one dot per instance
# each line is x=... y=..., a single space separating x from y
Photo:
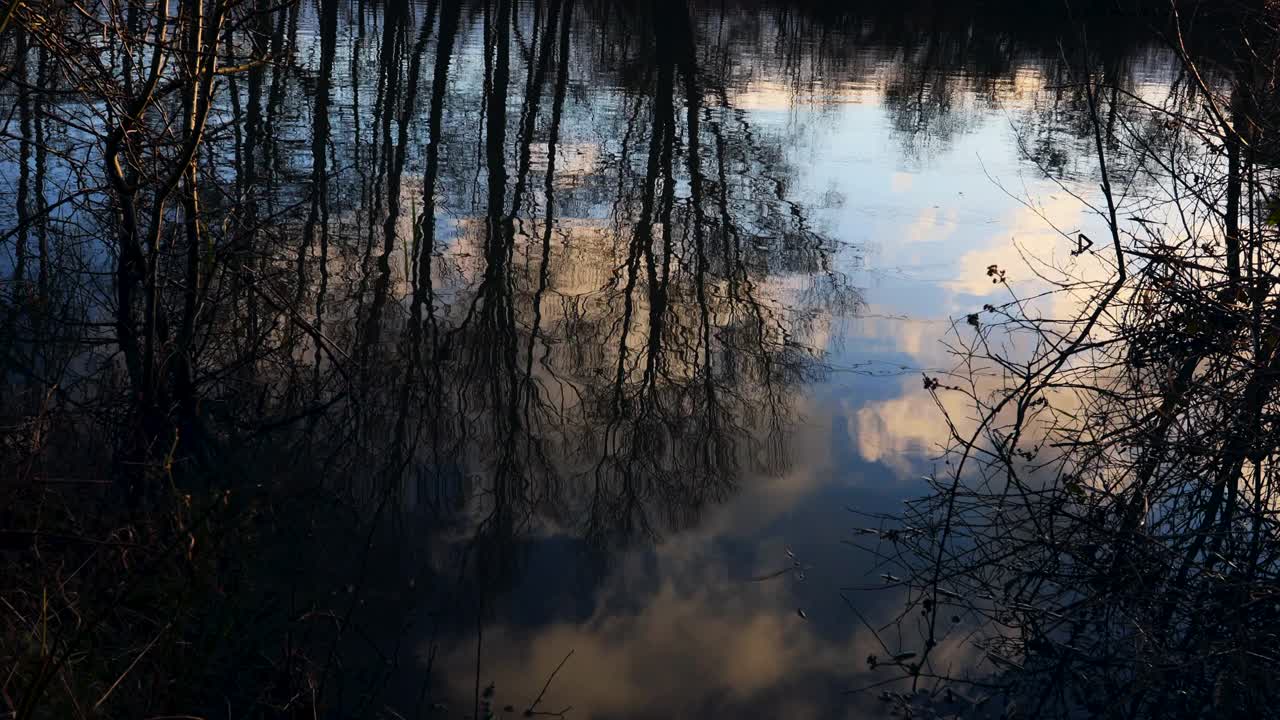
x=640 y=298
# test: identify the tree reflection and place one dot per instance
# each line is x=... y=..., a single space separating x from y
x=486 y=268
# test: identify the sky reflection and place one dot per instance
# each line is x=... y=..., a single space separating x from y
x=745 y=610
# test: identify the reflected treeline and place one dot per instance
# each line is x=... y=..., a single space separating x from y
x=278 y=273
x=392 y=233
x=527 y=315
x=937 y=68
x=481 y=268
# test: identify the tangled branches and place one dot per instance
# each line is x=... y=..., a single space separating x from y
x=1104 y=537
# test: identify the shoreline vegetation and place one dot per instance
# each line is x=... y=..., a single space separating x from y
x=249 y=375
x=1101 y=537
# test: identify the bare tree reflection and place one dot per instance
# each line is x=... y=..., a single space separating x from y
x=279 y=273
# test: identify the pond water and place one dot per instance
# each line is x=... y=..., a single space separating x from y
x=718 y=255
x=641 y=297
